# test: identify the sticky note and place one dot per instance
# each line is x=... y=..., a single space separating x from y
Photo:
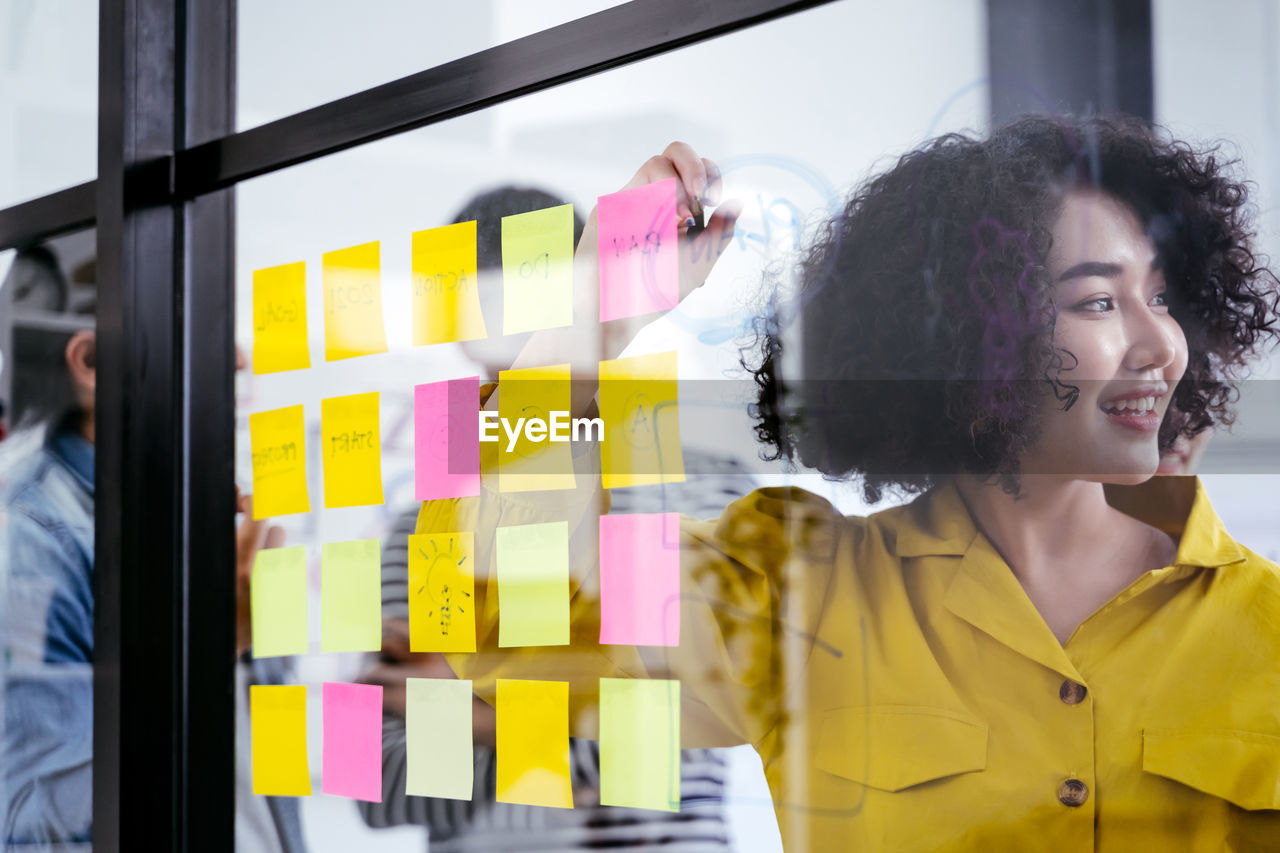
x=640 y=743
x=278 y=602
x=640 y=579
x=351 y=449
x=352 y=762
x=639 y=265
x=638 y=402
x=533 y=584
x=537 y=270
x=438 y=745
x=351 y=596
x=442 y=615
x=526 y=397
x=446 y=303
x=280 y=318
x=446 y=439
x=533 y=743
x=277 y=443
x=353 y=302
x=278 y=730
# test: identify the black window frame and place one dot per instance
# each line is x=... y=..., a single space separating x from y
x=163 y=205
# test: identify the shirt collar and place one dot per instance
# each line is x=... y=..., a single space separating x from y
x=939 y=522
x=70 y=448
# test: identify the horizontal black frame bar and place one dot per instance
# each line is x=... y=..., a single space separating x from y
x=608 y=39
x=58 y=213
x=571 y=51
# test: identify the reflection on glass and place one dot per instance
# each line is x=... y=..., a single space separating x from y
x=47 y=304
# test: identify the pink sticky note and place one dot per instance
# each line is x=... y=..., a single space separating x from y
x=639 y=266
x=640 y=579
x=352 y=763
x=446 y=439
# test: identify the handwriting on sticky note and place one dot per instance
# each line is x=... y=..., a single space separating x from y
x=442 y=614
x=351 y=596
x=537 y=270
x=639 y=404
x=438 y=744
x=533 y=584
x=351 y=450
x=640 y=579
x=352 y=762
x=353 y=302
x=533 y=743
x=524 y=394
x=640 y=743
x=278 y=597
x=639 y=265
x=278 y=728
x=277 y=444
x=446 y=441
x=280 y=318
x=446 y=301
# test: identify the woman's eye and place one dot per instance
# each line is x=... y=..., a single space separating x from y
x=1161 y=299
x=1098 y=304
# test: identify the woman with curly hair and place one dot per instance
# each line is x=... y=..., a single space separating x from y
x=1047 y=649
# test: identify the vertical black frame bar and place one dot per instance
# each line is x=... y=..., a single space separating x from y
x=137 y=678
x=1077 y=56
x=165 y=556
x=208 y=440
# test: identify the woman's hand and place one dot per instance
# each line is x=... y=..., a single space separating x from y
x=698 y=185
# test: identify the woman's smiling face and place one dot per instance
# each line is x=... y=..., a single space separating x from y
x=1113 y=316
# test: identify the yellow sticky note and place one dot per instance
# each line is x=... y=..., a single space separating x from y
x=277 y=442
x=446 y=301
x=278 y=726
x=533 y=743
x=438 y=745
x=351 y=596
x=442 y=615
x=533 y=584
x=278 y=599
x=353 y=302
x=526 y=397
x=638 y=402
x=537 y=270
x=640 y=743
x=351 y=450
x=280 y=318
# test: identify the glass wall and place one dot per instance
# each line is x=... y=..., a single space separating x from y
x=48 y=96
x=788 y=160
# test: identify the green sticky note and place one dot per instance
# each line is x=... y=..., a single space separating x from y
x=537 y=270
x=438 y=744
x=278 y=600
x=640 y=743
x=533 y=584
x=351 y=596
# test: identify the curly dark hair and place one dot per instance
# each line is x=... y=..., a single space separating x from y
x=926 y=312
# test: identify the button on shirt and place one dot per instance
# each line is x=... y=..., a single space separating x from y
x=904 y=693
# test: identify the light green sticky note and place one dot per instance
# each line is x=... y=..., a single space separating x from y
x=533 y=584
x=537 y=270
x=278 y=600
x=438 y=745
x=351 y=596
x=640 y=743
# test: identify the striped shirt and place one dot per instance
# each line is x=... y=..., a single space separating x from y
x=482 y=824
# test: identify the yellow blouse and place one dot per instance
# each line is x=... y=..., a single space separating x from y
x=905 y=695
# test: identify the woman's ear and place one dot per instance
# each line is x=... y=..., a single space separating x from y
x=81 y=354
